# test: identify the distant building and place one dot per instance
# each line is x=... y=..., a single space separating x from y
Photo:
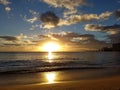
x=115 y=47
x=106 y=49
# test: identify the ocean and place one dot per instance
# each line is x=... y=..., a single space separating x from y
x=45 y=68
x=36 y=62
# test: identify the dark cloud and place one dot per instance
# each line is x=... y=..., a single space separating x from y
x=87 y=35
x=42 y=36
x=116 y=26
x=16 y=40
x=115 y=38
x=62 y=37
x=87 y=39
x=9 y=38
x=66 y=39
x=117 y=14
x=112 y=29
x=66 y=34
x=12 y=44
x=93 y=27
x=71 y=37
x=50 y=18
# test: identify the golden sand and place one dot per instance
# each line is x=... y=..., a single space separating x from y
x=107 y=83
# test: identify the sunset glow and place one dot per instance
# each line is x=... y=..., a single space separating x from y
x=50 y=57
x=51 y=47
x=59 y=44
x=58 y=25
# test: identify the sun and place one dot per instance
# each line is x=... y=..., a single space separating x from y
x=51 y=47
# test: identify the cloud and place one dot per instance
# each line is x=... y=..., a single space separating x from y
x=105 y=15
x=75 y=40
x=16 y=40
x=69 y=12
x=83 y=37
x=71 y=37
x=113 y=29
x=21 y=36
x=62 y=36
x=68 y=4
x=49 y=19
x=33 y=12
x=9 y=38
x=71 y=6
x=47 y=26
x=73 y=19
x=7 y=9
x=43 y=37
x=93 y=27
x=66 y=39
x=114 y=38
x=90 y=17
x=117 y=14
x=12 y=44
x=5 y=2
x=33 y=27
x=87 y=39
x=32 y=19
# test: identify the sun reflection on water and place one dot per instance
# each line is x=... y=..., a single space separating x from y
x=50 y=77
x=50 y=57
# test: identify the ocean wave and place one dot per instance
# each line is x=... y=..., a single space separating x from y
x=25 y=66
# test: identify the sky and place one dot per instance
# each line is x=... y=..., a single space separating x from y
x=76 y=25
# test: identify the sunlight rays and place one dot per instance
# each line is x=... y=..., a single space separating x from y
x=51 y=47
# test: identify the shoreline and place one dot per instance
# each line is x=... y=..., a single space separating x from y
x=92 y=79
x=107 y=83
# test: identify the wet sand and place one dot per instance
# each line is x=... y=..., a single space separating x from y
x=100 y=79
x=110 y=83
